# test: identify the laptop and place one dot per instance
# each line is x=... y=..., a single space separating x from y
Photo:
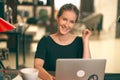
x=80 y=69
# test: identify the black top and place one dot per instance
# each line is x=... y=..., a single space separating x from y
x=49 y=51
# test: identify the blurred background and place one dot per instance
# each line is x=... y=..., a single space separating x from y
x=36 y=18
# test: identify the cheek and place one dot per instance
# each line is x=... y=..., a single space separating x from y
x=72 y=26
x=60 y=22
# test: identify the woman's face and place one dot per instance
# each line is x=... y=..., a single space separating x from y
x=66 y=22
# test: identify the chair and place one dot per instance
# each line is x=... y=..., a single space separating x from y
x=3 y=56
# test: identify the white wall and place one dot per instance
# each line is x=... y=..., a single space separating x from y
x=109 y=10
x=107 y=48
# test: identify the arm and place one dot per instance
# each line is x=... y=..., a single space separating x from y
x=39 y=62
x=43 y=74
x=86 y=50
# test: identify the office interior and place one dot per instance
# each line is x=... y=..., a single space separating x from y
x=102 y=18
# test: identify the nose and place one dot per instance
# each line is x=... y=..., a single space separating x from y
x=67 y=24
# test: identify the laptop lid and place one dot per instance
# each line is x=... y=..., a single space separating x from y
x=80 y=69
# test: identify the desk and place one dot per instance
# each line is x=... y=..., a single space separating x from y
x=108 y=76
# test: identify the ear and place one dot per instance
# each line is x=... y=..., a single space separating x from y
x=57 y=19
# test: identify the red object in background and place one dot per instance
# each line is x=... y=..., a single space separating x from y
x=5 y=26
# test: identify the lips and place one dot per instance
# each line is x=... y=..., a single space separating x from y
x=64 y=29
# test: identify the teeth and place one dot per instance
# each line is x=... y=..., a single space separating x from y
x=64 y=28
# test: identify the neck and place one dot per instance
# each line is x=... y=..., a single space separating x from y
x=63 y=38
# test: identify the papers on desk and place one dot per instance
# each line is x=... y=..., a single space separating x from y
x=18 y=77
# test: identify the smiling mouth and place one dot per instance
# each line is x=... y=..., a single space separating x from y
x=64 y=28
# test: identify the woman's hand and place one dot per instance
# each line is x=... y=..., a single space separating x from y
x=86 y=34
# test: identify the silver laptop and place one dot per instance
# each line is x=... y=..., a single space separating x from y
x=80 y=69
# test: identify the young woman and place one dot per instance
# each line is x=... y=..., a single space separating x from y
x=61 y=44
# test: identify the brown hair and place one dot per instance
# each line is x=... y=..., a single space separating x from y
x=68 y=7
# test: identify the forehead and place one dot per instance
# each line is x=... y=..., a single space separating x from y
x=69 y=13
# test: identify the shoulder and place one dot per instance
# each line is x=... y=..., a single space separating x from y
x=79 y=38
x=44 y=39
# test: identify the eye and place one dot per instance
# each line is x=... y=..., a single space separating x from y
x=64 y=19
x=72 y=22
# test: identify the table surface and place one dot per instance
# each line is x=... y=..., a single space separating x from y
x=14 y=74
